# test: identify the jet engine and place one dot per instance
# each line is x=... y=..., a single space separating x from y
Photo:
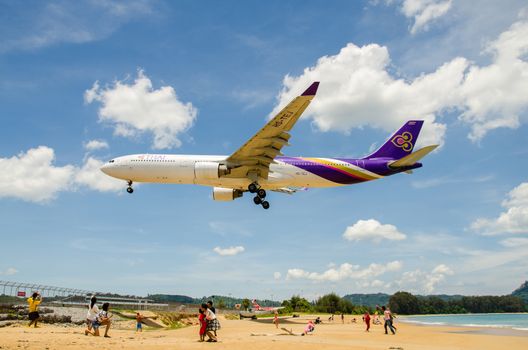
x=226 y=194
x=209 y=170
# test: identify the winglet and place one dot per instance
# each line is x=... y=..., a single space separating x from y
x=311 y=90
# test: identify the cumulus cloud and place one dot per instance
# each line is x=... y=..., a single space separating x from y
x=277 y=275
x=372 y=230
x=513 y=220
x=420 y=281
x=358 y=90
x=32 y=176
x=344 y=271
x=135 y=108
x=9 y=271
x=229 y=251
x=91 y=176
x=424 y=11
x=94 y=145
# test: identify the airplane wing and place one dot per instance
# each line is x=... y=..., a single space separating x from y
x=253 y=159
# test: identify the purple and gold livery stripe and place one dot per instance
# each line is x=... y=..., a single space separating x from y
x=334 y=170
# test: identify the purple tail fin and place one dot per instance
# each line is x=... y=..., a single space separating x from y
x=401 y=143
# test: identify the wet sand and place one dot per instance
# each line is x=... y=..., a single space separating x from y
x=247 y=334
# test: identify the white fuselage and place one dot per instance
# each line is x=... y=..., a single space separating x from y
x=181 y=169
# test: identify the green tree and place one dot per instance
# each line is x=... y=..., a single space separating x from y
x=245 y=304
x=404 y=303
x=220 y=304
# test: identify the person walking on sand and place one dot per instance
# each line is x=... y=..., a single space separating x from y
x=276 y=319
x=366 y=319
x=34 y=301
x=342 y=318
x=93 y=310
x=388 y=319
x=139 y=326
x=212 y=324
x=203 y=324
x=213 y=310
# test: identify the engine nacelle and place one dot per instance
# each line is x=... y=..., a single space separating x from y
x=209 y=170
x=226 y=194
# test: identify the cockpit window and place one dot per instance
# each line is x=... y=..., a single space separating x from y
x=111 y=161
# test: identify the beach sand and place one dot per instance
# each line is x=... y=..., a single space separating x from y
x=247 y=334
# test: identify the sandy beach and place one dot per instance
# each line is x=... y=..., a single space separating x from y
x=246 y=334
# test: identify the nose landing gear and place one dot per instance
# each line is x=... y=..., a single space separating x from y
x=129 y=188
x=261 y=194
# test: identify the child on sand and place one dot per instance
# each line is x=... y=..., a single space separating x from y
x=276 y=319
x=139 y=327
x=34 y=301
x=203 y=324
x=366 y=318
x=309 y=328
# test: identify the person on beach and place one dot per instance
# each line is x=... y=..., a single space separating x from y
x=387 y=316
x=102 y=319
x=212 y=324
x=276 y=319
x=343 y=318
x=203 y=324
x=139 y=326
x=366 y=319
x=213 y=309
x=34 y=301
x=309 y=328
x=93 y=310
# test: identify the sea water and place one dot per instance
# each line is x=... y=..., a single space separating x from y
x=512 y=321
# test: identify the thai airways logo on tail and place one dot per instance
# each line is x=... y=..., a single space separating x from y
x=401 y=143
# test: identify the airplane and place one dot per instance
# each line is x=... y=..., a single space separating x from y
x=259 y=166
x=257 y=308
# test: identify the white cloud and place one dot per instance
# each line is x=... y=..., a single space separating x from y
x=277 y=275
x=424 y=11
x=94 y=145
x=229 y=251
x=513 y=220
x=513 y=242
x=344 y=271
x=357 y=90
x=419 y=281
x=372 y=230
x=32 y=176
x=9 y=271
x=136 y=108
x=51 y=23
x=91 y=176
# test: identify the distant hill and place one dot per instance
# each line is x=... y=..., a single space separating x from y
x=368 y=299
x=227 y=301
x=522 y=292
x=167 y=298
x=383 y=299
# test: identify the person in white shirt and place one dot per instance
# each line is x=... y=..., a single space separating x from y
x=93 y=310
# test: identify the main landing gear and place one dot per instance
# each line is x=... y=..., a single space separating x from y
x=260 y=195
x=129 y=188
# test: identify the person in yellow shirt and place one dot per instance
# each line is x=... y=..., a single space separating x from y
x=34 y=302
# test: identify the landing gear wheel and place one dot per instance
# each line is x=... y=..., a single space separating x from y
x=130 y=190
x=261 y=193
x=257 y=200
x=265 y=204
x=252 y=188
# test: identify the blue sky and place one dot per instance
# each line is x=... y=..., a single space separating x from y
x=200 y=77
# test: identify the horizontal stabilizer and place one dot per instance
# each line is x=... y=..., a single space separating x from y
x=412 y=158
